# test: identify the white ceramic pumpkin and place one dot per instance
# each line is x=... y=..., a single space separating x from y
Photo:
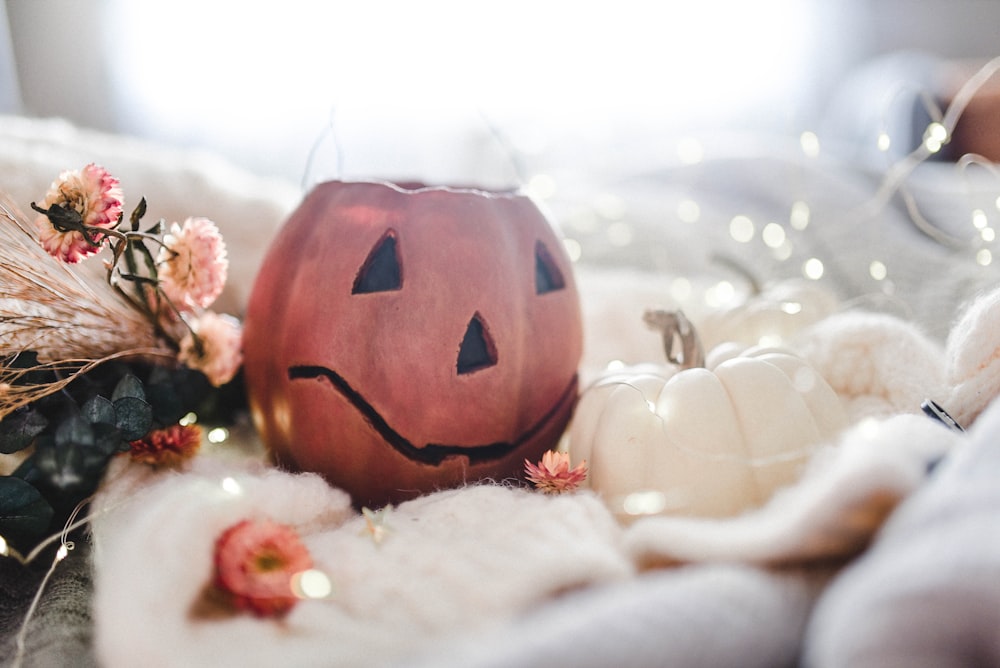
x=770 y=315
x=683 y=439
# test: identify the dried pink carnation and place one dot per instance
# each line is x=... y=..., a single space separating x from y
x=193 y=263
x=255 y=562
x=96 y=196
x=553 y=475
x=219 y=356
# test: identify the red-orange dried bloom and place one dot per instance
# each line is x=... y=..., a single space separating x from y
x=167 y=447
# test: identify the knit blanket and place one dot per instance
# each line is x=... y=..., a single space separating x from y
x=490 y=575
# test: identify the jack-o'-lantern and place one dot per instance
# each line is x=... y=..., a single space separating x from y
x=404 y=338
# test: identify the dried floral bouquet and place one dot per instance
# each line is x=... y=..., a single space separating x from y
x=95 y=366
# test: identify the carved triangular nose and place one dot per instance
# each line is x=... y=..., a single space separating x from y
x=477 y=350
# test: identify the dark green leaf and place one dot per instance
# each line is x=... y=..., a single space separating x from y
x=74 y=431
x=97 y=409
x=22 y=508
x=20 y=428
x=133 y=417
x=61 y=466
x=108 y=439
x=138 y=213
x=128 y=386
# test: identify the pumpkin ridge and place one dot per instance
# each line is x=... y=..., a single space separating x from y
x=432 y=453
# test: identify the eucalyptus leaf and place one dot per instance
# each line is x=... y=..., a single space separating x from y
x=20 y=428
x=133 y=417
x=128 y=386
x=74 y=431
x=22 y=508
x=62 y=467
x=98 y=409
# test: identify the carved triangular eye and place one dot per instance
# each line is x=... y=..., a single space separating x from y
x=381 y=270
x=548 y=278
x=477 y=351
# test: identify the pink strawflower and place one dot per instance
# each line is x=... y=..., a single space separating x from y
x=553 y=475
x=217 y=350
x=167 y=447
x=193 y=264
x=96 y=196
x=255 y=562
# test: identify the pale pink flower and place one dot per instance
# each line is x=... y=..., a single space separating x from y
x=553 y=475
x=219 y=356
x=255 y=562
x=193 y=263
x=96 y=196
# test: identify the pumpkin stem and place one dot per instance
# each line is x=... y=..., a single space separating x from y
x=680 y=340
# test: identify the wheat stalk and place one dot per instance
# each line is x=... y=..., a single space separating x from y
x=72 y=319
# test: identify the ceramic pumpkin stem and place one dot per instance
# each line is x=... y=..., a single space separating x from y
x=681 y=343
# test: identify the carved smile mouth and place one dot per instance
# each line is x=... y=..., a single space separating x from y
x=432 y=453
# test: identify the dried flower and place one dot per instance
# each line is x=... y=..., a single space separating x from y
x=90 y=193
x=255 y=562
x=553 y=475
x=213 y=347
x=167 y=447
x=193 y=264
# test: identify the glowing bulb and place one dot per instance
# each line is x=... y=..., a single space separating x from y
x=791 y=308
x=615 y=365
x=542 y=186
x=984 y=257
x=688 y=211
x=645 y=502
x=988 y=234
x=720 y=294
x=878 y=270
x=230 y=486
x=884 y=142
x=218 y=435
x=311 y=583
x=188 y=420
x=62 y=552
x=619 y=234
x=799 y=217
x=979 y=219
x=741 y=229
x=935 y=137
x=4 y=550
x=812 y=269
x=773 y=235
x=690 y=151
x=810 y=144
x=680 y=289
x=782 y=252
x=573 y=249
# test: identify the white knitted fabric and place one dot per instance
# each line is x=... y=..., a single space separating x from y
x=494 y=576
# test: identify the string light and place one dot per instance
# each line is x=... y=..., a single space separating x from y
x=810 y=144
x=799 y=216
x=935 y=136
x=979 y=219
x=573 y=249
x=878 y=270
x=311 y=584
x=645 y=502
x=813 y=269
x=231 y=486
x=984 y=257
x=988 y=234
x=773 y=235
x=741 y=229
x=688 y=211
x=884 y=142
x=690 y=151
x=218 y=435
x=188 y=420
